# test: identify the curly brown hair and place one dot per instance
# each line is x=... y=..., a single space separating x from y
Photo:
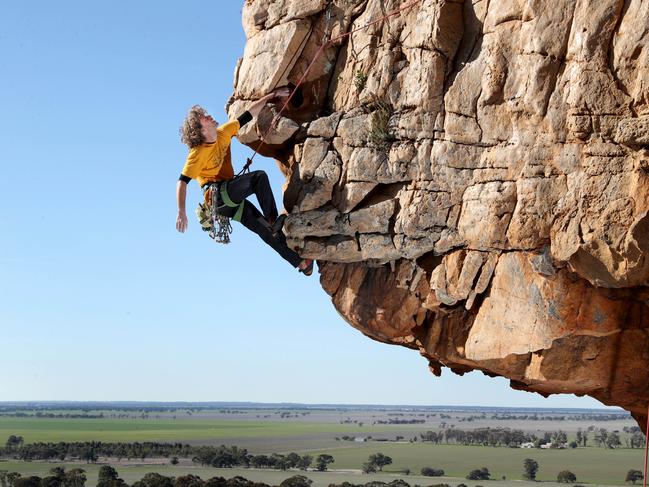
x=190 y=131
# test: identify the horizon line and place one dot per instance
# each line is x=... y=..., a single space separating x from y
x=251 y=404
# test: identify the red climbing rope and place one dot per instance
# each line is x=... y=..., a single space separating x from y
x=315 y=58
x=646 y=449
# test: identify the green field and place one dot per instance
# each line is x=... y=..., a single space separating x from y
x=128 y=430
x=594 y=465
x=317 y=433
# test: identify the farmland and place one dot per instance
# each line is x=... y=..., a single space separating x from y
x=349 y=434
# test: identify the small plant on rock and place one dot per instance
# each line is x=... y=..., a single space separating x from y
x=360 y=79
x=379 y=136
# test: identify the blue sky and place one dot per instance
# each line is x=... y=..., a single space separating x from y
x=100 y=297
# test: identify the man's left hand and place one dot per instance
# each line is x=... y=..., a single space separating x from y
x=281 y=93
x=181 y=222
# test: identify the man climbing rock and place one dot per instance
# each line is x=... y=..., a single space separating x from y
x=209 y=162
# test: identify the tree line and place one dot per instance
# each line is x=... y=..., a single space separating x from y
x=220 y=457
x=479 y=436
x=399 y=421
x=514 y=438
x=40 y=414
x=109 y=477
x=570 y=417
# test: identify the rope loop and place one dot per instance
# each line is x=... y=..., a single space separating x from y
x=246 y=167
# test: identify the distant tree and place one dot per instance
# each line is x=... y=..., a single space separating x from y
x=479 y=474
x=3 y=478
x=106 y=474
x=637 y=440
x=278 y=461
x=108 y=477
x=12 y=478
x=305 y=462
x=566 y=476
x=14 y=441
x=174 y=461
x=89 y=455
x=292 y=460
x=559 y=438
x=242 y=482
x=296 y=481
x=601 y=436
x=322 y=461
x=531 y=467
x=58 y=472
x=155 y=480
x=51 y=481
x=215 y=482
x=368 y=467
x=613 y=440
x=32 y=481
x=188 y=481
x=379 y=460
x=75 y=478
x=634 y=476
x=432 y=472
x=260 y=461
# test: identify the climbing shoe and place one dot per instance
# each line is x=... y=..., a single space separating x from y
x=307 y=270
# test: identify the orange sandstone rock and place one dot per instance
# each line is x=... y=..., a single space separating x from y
x=473 y=178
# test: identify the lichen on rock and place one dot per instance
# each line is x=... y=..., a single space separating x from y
x=473 y=178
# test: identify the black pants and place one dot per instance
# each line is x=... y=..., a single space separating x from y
x=256 y=182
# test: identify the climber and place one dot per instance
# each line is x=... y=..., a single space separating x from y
x=209 y=162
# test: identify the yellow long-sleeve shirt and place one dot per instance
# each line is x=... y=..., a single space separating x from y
x=212 y=162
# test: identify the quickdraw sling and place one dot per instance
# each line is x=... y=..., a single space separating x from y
x=210 y=213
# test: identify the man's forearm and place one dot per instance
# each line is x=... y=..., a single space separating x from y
x=256 y=107
x=181 y=196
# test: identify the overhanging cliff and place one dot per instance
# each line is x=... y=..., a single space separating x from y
x=473 y=178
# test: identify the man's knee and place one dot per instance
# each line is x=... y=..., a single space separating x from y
x=261 y=180
x=259 y=175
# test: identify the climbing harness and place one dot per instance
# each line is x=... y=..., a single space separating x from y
x=210 y=213
x=313 y=61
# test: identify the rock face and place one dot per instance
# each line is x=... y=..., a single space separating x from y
x=473 y=178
